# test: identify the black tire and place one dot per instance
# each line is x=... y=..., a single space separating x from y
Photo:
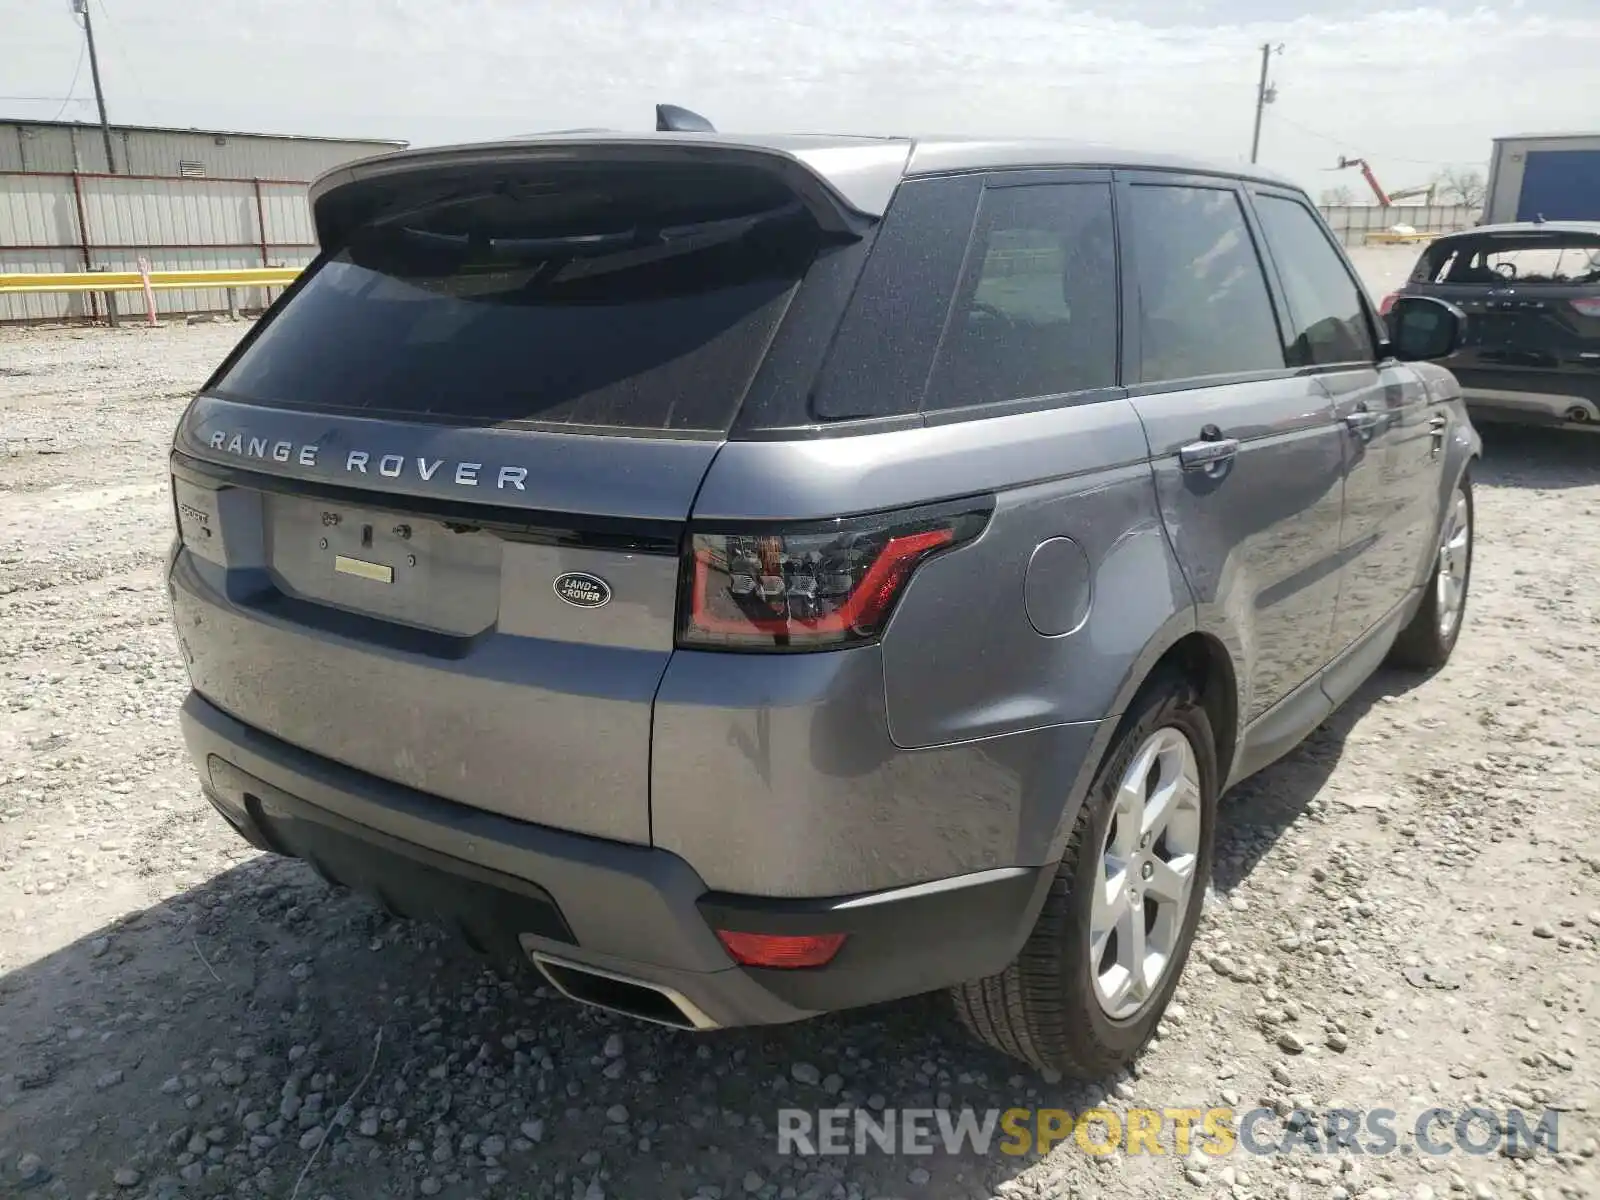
x=1043 y=1009
x=1422 y=645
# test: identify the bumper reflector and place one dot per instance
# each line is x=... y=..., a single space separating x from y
x=786 y=951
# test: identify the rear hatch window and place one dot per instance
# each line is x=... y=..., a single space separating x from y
x=1571 y=259
x=601 y=298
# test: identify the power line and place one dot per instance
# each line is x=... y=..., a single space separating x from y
x=73 y=86
x=1348 y=143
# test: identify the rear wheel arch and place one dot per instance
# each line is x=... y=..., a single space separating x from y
x=1204 y=660
x=1194 y=656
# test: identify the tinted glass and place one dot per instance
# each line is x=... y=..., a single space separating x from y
x=1036 y=314
x=878 y=365
x=1329 y=319
x=642 y=302
x=1204 y=308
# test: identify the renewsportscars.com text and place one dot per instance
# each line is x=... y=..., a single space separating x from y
x=1176 y=1131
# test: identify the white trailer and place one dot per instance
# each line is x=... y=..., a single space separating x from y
x=1551 y=176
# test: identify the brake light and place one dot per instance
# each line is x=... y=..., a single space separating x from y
x=811 y=587
x=1387 y=303
x=1589 y=306
x=785 y=951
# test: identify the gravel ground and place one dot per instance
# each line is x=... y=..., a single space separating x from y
x=1407 y=913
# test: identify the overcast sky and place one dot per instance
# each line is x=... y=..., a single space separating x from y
x=1412 y=88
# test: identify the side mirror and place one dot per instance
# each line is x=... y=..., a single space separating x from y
x=1422 y=328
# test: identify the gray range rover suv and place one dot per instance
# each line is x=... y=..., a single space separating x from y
x=756 y=576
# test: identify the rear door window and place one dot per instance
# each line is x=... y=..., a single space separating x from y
x=642 y=301
x=1036 y=313
x=1204 y=307
x=1329 y=322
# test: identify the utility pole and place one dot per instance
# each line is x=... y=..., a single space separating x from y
x=1265 y=95
x=82 y=8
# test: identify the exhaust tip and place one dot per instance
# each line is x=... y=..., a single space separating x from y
x=1578 y=413
x=621 y=994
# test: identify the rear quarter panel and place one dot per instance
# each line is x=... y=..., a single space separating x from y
x=966 y=738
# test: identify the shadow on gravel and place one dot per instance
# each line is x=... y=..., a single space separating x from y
x=206 y=1042
x=1260 y=810
x=202 y=1047
x=1531 y=457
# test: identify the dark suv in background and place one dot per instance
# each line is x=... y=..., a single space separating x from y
x=752 y=577
x=1531 y=292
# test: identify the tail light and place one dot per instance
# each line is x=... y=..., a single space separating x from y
x=812 y=586
x=784 y=951
x=1387 y=303
x=1589 y=306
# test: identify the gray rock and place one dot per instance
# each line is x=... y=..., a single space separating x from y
x=613 y=1046
x=312 y=1138
x=918 y=1176
x=429 y=1186
x=753 y=1182
x=1543 y=930
x=533 y=1130
x=1289 y=1043
x=617 y=1114
x=126 y=1177
x=493 y=1146
x=108 y=1080
x=30 y=1169
x=833 y=1084
x=1337 y=1042
x=804 y=1072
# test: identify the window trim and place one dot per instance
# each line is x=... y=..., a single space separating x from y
x=1376 y=331
x=1000 y=181
x=1128 y=241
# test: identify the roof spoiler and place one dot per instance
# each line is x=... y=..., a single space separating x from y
x=348 y=197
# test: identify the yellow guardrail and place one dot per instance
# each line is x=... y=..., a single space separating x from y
x=1388 y=237
x=133 y=281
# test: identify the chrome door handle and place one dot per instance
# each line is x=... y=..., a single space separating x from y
x=1438 y=423
x=1208 y=454
x=1361 y=422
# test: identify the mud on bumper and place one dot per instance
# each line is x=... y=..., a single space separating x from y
x=625 y=926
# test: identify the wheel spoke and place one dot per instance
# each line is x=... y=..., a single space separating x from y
x=1181 y=793
x=1130 y=949
x=1110 y=905
x=1169 y=881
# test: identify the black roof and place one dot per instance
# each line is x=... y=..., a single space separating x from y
x=1523 y=228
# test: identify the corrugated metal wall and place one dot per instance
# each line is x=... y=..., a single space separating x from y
x=45 y=147
x=175 y=224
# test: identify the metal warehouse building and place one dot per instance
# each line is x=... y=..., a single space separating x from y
x=176 y=198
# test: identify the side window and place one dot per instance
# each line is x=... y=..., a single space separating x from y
x=879 y=362
x=1330 y=321
x=1204 y=308
x=1036 y=311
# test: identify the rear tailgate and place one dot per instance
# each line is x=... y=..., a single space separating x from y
x=1532 y=299
x=431 y=510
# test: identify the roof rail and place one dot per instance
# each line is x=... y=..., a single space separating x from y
x=672 y=119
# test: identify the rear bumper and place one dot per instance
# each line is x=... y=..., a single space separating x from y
x=1552 y=398
x=638 y=913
